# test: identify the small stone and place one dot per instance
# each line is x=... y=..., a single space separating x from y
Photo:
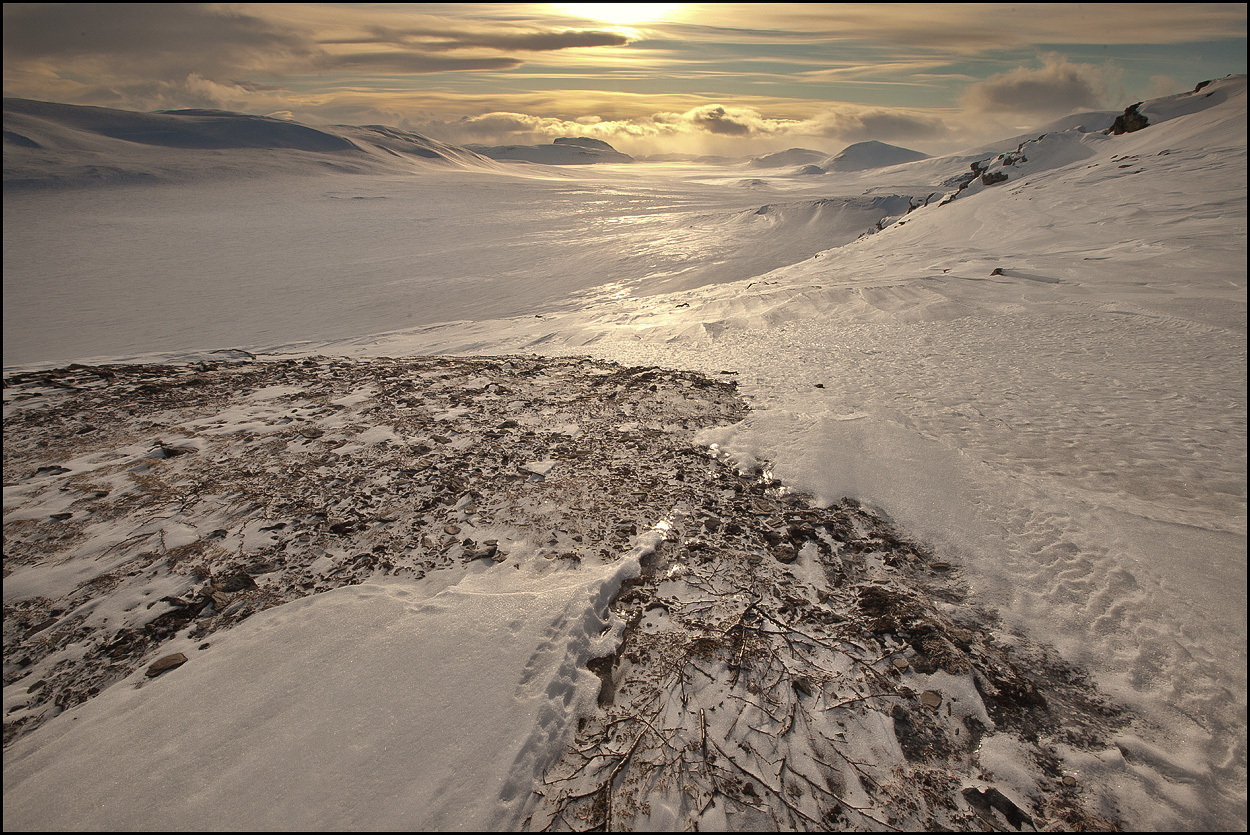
x=165 y=664
x=786 y=553
x=1069 y=780
x=900 y=663
x=235 y=581
x=451 y=529
x=39 y=627
x=931 y=698
x=260 y=567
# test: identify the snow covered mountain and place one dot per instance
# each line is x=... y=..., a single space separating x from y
x=477 y=530
x=870 y=154
x=48 y=145
x=566 y=150
x=790 y=157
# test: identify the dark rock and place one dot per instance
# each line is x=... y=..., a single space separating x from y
x=165 y=664
x=235 y=581
x=161 y=450
x=1129 y=121
x=991 y=178
x=801 y=532
x=983 y=801
x=39 y=627
x=260 y=567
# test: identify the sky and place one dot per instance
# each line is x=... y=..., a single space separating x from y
x=725 y=78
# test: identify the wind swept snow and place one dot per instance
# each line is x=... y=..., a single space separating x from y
x=649 y=602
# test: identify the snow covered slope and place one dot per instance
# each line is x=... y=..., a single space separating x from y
x=1039 y=371
x=49 y=145
x=1043 y=372
x=787 y=158
x=870 y=154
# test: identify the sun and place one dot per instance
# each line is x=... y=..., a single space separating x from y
x=622 y=14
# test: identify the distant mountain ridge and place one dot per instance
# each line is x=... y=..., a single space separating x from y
x=871 y=154
x=52 y=145
x=791 y=156
x=566 y=150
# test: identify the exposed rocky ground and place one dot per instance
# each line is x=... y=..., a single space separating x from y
x=784 y=666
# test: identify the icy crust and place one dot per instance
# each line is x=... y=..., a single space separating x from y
x=504 y=593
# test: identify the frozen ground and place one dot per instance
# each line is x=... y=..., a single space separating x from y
x=1042 y=380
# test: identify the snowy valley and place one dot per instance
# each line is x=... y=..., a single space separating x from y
x=878 y=491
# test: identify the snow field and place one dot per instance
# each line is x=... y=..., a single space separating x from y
x=1043 y=380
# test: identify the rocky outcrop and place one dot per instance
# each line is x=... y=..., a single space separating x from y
x=1129 y=121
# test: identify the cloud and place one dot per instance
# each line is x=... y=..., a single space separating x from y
x=708 y=128
x=719 y=121
x=1057 y=88
x=1163 y=85
x=965 y=28
x=177 y=37
x=415 y=62
x=856 y=123
x=716 y=78
x=440 y=40
x=193 y=91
